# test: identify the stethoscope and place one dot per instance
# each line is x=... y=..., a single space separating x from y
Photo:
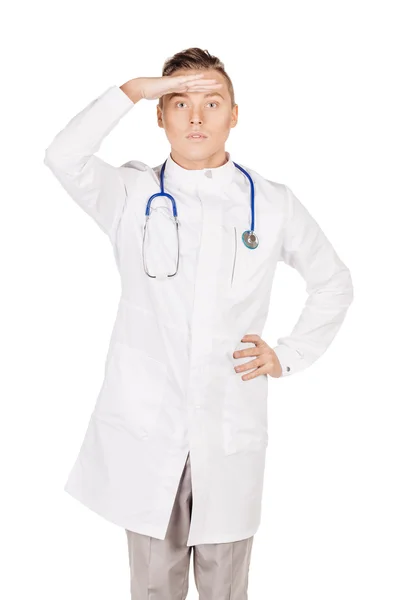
x=249 y=238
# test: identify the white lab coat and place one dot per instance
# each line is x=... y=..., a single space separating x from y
x=169 y=384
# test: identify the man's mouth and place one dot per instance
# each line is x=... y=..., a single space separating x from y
x=196 y=136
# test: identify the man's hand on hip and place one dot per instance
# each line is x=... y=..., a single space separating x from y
x=265 y=362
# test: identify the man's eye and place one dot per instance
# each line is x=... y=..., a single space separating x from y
x=178 y=103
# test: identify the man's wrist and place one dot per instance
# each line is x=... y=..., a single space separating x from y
x=289 y=359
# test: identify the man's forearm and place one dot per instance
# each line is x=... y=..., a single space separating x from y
x=133 y=89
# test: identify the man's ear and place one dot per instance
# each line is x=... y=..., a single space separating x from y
x=234 y=118
x=159 y=117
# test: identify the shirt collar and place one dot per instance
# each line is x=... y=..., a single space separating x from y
x=182 y=178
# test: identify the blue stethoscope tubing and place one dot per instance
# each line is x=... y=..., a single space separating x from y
x=251 y=193
x=249 y=238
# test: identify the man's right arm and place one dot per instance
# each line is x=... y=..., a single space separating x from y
x=93 y=183
x=133 y=89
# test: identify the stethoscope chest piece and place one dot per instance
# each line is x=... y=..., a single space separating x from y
x=250 y=239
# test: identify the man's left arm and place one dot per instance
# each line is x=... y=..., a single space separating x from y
x=328 y=284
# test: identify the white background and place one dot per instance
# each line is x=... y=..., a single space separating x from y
x=316 y=84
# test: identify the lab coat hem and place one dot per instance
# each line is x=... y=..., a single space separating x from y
x=222 y=539
x=147 y=529
x=159 y=533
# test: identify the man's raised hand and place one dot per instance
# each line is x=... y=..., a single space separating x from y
x=151 y=88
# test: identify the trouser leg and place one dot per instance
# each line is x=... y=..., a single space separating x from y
x=159 y=568
x=221 y=571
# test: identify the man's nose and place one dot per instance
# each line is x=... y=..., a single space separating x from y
x=195 y=120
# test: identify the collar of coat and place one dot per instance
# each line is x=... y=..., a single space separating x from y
x=181 y=178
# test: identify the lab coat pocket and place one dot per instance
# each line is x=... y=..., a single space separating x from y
x=245 y=421
x=248 y=265
x=234 y=254
x=132 y=391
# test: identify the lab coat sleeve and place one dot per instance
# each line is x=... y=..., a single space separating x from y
x=94 y=184
x=328 y=285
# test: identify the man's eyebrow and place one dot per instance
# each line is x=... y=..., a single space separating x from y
x=183 y=95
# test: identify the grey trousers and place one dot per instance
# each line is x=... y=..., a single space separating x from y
x=159 y=569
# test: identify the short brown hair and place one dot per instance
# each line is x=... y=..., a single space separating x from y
x=196 y=58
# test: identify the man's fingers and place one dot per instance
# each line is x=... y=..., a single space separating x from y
x=254 y=351
x=204 y=86
x=202 y=89
x=263 y=353
x=256 y=373
x=252 y=364
x=192 y=88
x=200 y=86
x=188 y=77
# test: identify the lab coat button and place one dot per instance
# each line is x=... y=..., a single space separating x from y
x=287 y=368
x=208 y=174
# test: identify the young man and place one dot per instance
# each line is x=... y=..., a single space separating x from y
x=175 y=447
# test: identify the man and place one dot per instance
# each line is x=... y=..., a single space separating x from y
x=175 y=448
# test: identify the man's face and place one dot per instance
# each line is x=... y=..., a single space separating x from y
x=208 y=112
